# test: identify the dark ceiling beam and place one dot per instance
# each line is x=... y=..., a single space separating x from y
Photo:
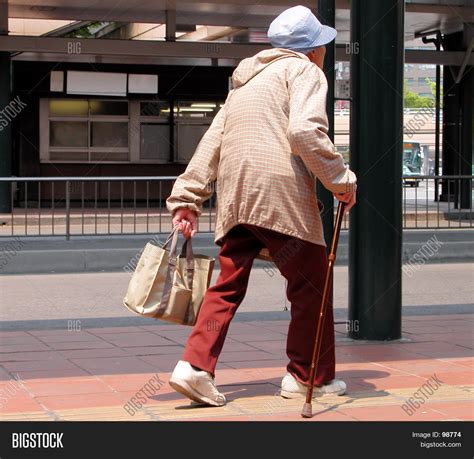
x=192 y=50
x=106 y=47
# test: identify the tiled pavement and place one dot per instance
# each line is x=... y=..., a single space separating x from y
x=91 y=374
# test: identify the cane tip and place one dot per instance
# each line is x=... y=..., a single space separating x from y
x=307 y=411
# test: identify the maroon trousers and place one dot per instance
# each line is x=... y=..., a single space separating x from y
x=303 y=264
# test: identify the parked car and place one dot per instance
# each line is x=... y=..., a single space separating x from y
x=410 y=178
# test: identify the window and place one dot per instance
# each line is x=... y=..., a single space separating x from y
x=109 y=134
x=68 y=107
x=155 y=141
x=192 y=121
x=85 y=130
x=111 y=130
x=68 y=134
x=155 y=109
x=197 y=109
x=108 y=108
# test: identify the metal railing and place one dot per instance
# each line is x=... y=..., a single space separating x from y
x=406 y=111
x=93 y=206
x=443 y=201
x=90 y=206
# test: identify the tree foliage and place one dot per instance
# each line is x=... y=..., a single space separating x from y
x=414 y=100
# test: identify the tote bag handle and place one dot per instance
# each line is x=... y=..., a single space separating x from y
x=172 y=262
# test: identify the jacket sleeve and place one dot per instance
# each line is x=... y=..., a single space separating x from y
x=308 y=128
x=193 y=187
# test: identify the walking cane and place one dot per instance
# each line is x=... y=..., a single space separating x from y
x=307 y=411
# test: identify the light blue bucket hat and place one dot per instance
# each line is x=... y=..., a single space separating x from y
x=298 y=29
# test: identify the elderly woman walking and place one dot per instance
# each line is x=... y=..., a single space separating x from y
x=264 y=148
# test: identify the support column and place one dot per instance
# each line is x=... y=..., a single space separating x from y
x=467 y=121
x=458 y=87
x=451 y=121
x=5 y=124
x=326 y=13
x=170 y=24
x=467 y=134
x=376 y=144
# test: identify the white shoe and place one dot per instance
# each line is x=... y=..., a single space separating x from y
x=291 y=388
x=196 y=385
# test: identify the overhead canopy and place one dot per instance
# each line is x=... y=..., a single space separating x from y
x=421 y=15
x=134 y=31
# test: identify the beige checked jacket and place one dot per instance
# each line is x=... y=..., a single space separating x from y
x=264 y=148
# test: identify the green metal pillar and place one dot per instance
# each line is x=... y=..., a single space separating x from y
x=466 y=82
x=5 y=122
x=376 y=130
x=451 y=121
x=467 y=137
x=458 y=115
x=326 y=13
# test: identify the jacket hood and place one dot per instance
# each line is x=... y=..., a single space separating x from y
x=252 y=66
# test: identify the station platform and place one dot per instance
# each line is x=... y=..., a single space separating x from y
x=94 y=373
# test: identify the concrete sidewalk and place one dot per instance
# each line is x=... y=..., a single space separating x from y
x=92 y=374
x=51 y=301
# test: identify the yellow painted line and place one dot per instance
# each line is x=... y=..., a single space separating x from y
x=249 y=406
x=112 y=413
x=34 y=416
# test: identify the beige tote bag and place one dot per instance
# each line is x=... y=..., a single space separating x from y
x=169 y=287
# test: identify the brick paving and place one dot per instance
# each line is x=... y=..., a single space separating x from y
x=91 y=374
